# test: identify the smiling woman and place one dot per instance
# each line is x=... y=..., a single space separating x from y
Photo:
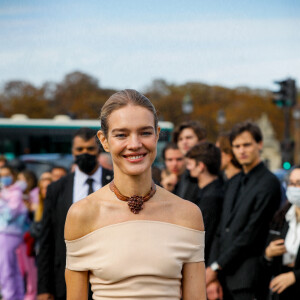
x=150 y=247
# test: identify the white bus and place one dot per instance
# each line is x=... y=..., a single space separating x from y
x=21 y=135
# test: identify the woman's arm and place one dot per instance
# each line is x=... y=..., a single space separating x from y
x=78 y=224
x=77 y=285
x=193 y=273
x=193 y=281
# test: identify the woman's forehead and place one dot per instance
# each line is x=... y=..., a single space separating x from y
x=131 y=116
x=4 y=171
x=295 y=174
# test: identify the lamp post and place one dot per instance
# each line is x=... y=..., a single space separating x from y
x=187 y=105
x=221 y=118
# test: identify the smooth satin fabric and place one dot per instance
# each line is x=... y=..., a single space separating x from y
x=136 y=259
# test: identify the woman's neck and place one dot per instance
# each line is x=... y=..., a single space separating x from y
x=231 y=170
x=297 y=210
x=133 y=185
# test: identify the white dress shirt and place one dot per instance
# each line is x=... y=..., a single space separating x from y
x=80 y=187
x=292 y=239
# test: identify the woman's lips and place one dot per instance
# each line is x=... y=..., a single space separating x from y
x=134 y=157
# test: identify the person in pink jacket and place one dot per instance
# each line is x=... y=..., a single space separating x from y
x=25 y=252
x=12 y=220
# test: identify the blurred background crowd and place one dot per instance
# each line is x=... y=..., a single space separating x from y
x=209 y=174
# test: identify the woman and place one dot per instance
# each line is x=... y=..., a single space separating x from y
x=35 y=228
x=44 y=181
x=229 y=165
x=282 y=255
x=148 y=248
x=12 y=219
x=31 y=191
x=25 y=252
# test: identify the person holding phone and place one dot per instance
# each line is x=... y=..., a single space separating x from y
x=282 y=255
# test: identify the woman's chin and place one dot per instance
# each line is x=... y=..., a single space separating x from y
x=136 y=170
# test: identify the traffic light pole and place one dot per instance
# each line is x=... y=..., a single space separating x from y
x=287 y=135
x=286 y=98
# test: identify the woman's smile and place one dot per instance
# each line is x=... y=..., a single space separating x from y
x=135 y=157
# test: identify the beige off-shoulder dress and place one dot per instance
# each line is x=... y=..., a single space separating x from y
x=136 y=259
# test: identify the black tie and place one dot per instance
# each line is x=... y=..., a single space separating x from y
x=89 y=181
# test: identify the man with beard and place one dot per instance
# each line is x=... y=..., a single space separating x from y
x=88 y=177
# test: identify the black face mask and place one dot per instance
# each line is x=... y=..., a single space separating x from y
x=86 y=162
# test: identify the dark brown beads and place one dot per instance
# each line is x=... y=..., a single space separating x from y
x=135 y=203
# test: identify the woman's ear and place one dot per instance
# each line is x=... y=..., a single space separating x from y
x=158 y=132
x=103 y=140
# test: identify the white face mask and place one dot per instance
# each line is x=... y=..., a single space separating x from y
x=22 y=185
x=293 y=195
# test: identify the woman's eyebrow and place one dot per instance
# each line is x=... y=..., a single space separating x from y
x=119 y=129
x=147 y=128
x=126 y=129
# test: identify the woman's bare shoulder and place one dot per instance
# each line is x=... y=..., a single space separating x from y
x=82 y=215
x=184 y=212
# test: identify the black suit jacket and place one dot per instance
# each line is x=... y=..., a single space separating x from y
x=187 y=187
x=275 y=267
x=52 y=256
x=210 y=201
x=243 y=229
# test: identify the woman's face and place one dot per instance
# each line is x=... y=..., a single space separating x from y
x=294 y=179
x=4 y=175
x=21 y=177
x=43 y=187
x=131 y=139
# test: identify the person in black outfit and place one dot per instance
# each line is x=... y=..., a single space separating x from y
x=203 y=162
x=187 y=135
x=250 y=201
x=61 y=194
x=229 y=165
x=281 y=259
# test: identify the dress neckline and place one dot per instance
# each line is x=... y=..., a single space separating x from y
x=132 y=222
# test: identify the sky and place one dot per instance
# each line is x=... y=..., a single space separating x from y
x=130 y=43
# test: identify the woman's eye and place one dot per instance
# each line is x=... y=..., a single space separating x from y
x=146 y=133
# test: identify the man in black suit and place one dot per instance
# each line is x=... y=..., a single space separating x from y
x=251 y=199
x=203 y=162
x=187 y=135
x=88 y=177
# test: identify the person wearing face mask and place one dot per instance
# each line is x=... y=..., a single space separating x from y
x=88 y=177
x=12 y=219
x=282 y=255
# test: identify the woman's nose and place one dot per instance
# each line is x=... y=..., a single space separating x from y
x=134 y=142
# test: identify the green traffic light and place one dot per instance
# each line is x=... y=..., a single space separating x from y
x=286 y=165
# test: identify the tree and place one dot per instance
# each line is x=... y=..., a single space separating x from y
x=23 y=98
x=80 y=96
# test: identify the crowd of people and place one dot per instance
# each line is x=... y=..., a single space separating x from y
x=21 y=208
x=252 y=224
x=250 y=221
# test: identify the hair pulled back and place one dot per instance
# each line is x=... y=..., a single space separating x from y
x=122 y=99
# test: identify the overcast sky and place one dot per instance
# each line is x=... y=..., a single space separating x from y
x=128 y=43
